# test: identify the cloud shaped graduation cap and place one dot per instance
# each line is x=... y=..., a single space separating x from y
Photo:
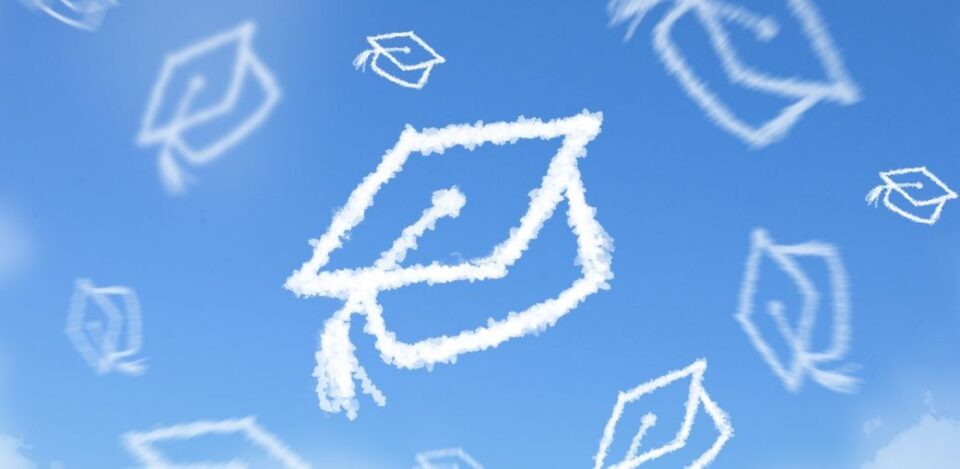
x=697 y=398
x=337 y=367
x=170 y=134
x=143 y=445
x=715 y=16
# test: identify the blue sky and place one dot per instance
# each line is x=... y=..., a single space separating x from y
x=678 y=195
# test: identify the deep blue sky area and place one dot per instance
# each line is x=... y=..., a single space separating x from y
x=679 y=195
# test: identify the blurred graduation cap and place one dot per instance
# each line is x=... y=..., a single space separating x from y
x=170 y=133
x=794 y=260
x=918 y=189
x=81 y=14
x=105 y=343
x=142 y=445
x=450 y=458
x=411 y=69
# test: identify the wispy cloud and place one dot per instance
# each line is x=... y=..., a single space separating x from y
x=11 y=456
x=872 y=425
x=931 y=443
x=16 y=245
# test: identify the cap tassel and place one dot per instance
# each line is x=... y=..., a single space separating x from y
x=632 y=11
x=835 y=380
x=134 y=368
x=874 y=195
x=360 y=62
x=172 y=176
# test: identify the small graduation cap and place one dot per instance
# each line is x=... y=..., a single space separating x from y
x=379 y=49
x=904 y=183
x=451 y=458
x=81 y=14
x=105 y=346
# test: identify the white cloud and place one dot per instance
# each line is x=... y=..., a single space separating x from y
x=246 y=66
x=15 y=246
x=872 y=425
x=81 y=14
x=714 y=15
x=697 y=398
x=337 y=365
x=803 y=360
x=930 y=444
x=142 y=444
x=112 y=346
x=10 y=457
x=397 y=58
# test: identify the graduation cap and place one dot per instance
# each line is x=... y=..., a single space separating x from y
x=714 y=16
x=920 y=191
x=106 y=343
x=81 y=14
x=450 y=458
x=400 y=50
x=244 y=67
x=338 y=367
x=697 y=398
x=143 y=445
x=802 y=360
